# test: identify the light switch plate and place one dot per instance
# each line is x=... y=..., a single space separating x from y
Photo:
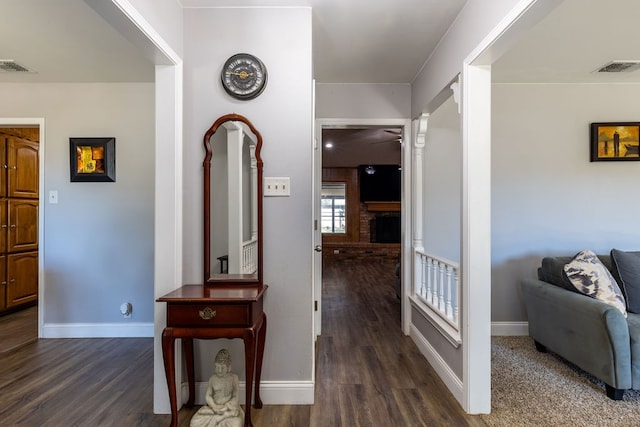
x=53 y=197
x=277 y=186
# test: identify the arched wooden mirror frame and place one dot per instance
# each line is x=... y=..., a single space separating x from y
x=230 y=279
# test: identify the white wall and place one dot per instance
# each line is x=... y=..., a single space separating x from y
x=548 y=199
x=281 y=38
x=98 y=239
x=478 y=20
x=363 y=101
x=442 y=175
x=165 y=17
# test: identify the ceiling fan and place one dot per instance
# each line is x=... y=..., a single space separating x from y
x=392 y=135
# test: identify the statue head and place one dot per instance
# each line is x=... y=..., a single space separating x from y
x=223 y=362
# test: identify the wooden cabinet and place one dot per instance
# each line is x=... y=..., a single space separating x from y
x=21 y=276
x=21 y=225
x=22 y=168
x=19 y=200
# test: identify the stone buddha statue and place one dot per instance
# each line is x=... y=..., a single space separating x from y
x=222 y=408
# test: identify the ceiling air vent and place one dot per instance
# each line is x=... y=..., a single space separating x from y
x=11 y=66
x=619 y=67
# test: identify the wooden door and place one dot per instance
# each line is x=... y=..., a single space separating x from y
x=3 y=165
x=22 y=278
x=23 y=225
x=3 y=282
x=22 y=168
x=4 y=227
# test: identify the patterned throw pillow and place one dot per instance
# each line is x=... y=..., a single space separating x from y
x=628 y=268
x=590 y=277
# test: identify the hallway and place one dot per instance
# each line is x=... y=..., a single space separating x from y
x=368 y=372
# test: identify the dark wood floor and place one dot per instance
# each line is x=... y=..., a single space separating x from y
x=18 y=329
x=368 y=373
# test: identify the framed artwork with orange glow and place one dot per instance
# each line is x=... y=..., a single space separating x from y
x=92 y=159
x=616 y=141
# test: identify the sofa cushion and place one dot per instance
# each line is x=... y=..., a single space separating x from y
x=627 y=267
x=552 y=271
x=590 y=276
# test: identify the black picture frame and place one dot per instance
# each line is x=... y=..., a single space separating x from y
x=615 y=141
x=92 y=159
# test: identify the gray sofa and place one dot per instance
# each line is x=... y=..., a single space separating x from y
x=591 y=334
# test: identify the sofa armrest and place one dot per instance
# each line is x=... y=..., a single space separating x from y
x=585 y=331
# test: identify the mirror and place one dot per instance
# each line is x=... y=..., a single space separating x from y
x=232 y=202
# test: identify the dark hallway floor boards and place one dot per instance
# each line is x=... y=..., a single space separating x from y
x=367 y=372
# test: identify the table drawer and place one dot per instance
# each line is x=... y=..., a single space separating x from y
x=193 y=315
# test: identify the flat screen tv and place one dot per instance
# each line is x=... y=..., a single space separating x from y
x=380 y=183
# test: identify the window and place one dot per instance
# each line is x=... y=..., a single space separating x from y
x=333 y=209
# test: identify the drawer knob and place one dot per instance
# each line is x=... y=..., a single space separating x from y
x=207 y=313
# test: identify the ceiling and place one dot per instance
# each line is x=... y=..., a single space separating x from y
x=66 y=41
x=574 y=40
x=351 y=147
x=355 y=41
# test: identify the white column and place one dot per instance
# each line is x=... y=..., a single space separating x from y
x=168 y=217
x=235 y=138
x=476 y=237
x=254 y=192
x=418 y=163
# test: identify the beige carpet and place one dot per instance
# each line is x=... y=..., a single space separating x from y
x=540 y=389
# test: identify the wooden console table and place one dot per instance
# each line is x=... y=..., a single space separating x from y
x=206 y=312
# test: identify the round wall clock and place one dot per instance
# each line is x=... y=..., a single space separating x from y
x=244 y=76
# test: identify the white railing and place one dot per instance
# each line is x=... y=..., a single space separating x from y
x=437 y=284
x=249 y=256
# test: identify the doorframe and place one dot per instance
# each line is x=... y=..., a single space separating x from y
x=29 y=122
x=405 y=213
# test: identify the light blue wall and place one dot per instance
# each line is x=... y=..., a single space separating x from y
x=98 y=239
x=547 y=197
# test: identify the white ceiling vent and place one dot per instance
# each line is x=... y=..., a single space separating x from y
x=11 y=66
x=619 y=67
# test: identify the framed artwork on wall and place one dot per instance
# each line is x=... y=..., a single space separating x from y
x=92 y=159
x=615 y=141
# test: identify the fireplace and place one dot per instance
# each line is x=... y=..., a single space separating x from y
x=385 y=229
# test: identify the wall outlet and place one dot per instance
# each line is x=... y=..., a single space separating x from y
x=126 y=309
x=277 y=186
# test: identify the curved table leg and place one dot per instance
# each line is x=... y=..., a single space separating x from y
x=249 y=339
x=187 y=345
x=262 y=332
x=168 y=357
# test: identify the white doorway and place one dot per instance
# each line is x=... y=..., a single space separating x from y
x=376 y=132
x=39 y=124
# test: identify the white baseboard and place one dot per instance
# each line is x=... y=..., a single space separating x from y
x=509 y=328
x=271 y=392
x=450 y=379
x=97 y=330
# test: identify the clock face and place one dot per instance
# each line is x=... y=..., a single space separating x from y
x=244 y=76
